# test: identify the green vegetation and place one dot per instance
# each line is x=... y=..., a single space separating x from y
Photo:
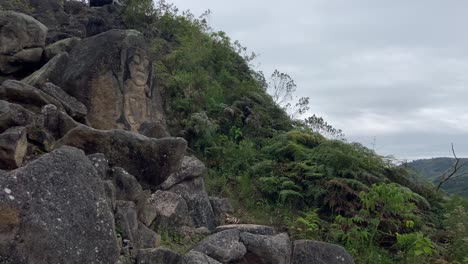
x=433 y=169
x=284 y=172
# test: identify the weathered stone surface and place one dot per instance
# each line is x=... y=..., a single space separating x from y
x=56 y=122
x=111 y=74
x=191 y=168
x=170 y=209
x=19 y=31
x=13 y=146
x=55 y=212
x=14 y=115
x=72 y=106
x=221 y=207
x=101 y=164
x=154 y=130
x=27 y=96
x=147 y=238
x=193 y=191
x=22 y=39
x=194 y=257
x=150 y=160
x=64 y=45
x=224 y=246
x=110 y=192
x=249 y=228
x=52 y=71
x=305 y=251
x=126 y=221
x=158 y=256
x=267 y=249
x=126 y=184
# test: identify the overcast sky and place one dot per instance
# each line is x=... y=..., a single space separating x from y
x=394 y=71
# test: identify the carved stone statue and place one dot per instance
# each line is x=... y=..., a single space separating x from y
x=137 y=93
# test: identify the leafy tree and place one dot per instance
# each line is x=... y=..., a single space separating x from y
x=318 y=124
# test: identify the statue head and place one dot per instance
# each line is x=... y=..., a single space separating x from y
x=138 y=66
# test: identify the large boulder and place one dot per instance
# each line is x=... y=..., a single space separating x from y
x=127 y=186
x=158 y=256
x=13 y=146
x=306 y=251
x=150 y=160
x=111 y=74
x=191 y=168
x=14 y=115
x=52 y=71
x=221 y=207
x=19 y=31
x=64 y=45
x=194 y=193
x=195 y=257
x=22 y=39
x=267 y=249
x=224 y=246
x=27 y=96
x=54 y=211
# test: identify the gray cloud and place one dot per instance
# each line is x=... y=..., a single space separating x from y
x=394 y=70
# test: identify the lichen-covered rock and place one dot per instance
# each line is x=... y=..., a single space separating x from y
x=221 y=207
x=224 y=246
x=150 y=160
x=56 y=122
x=52 y=72
x=191 y=168
x=54 y=211
x=19 y=31
x=263 y=249
x=27 y=96
x=22 y=39
x=194 y=257
x=64 y=45
x=74 y=108
x=13 y=147
x=198 y=202
x=14 y=115
x=158 y=256
x=306 y=251
x=154 y=129
x=126 y=185
x=101 y=163
x=170 y=211
x=249 y=228
x=112 y=75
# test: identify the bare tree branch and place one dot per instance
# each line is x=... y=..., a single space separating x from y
x=450 y=174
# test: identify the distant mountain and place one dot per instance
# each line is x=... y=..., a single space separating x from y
x=433 y=169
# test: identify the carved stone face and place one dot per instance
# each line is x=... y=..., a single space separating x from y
x=138 y=67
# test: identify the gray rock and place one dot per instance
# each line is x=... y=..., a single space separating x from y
x=64 y=45
x=111 y=74
x=249 y=228
x=22 y=39
x=147 y=238
x=19 y=31
x=267 y=249
x=126 y=185
x=27 y=96
x=72 y=106
x=54 y=211
x=56 y=122
x=14 y=115
x=29 y=55
x=126 y=221
x=158 y=256
x=150 y=160
x=153 y=130
x=13 y=147
x=194 y=257
x=221 y=207
x=170 y=211
x=224 y=246
x=191 y=168
x=52 y=71
x=110 y=193
x=306 y=251
x=101 y=164
x=193 y=191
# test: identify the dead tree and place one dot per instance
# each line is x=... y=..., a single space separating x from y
x=451 y=173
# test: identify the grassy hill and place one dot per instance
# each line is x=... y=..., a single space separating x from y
x=279 y=171
x=433 y=169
